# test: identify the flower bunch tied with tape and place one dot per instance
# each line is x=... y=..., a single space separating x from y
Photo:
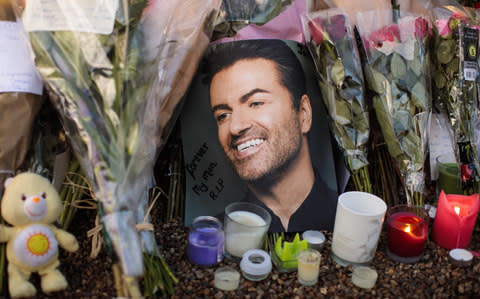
x=397 y=70
x=331 y=42
x=116 y=72
x=455 y=87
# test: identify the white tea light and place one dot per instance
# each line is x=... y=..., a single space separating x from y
x=226 y=279
x=461 y=257
x=315 y=239
x=256 y=264
x=364 y=277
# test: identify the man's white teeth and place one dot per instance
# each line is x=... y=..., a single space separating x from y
x=253 y=142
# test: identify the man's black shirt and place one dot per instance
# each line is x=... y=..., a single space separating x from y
x=316 y=212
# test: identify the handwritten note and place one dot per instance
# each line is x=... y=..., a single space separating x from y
x=94 y=16
x=441 y=142
x=17 y=72
x=205 y=178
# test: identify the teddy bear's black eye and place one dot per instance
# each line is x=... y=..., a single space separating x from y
x=24 y=197
x=44 y=195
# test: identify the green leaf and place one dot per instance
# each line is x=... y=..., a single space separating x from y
x=397 y=66
x=446 y=51
x=343 y=115
x=337 y=73
x=419 y=96
x=439 y=79
x=376 y=80
x=453 y=67
x=415 y=66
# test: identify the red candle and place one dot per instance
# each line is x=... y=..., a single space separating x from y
x=455 y=220
x=406 y=233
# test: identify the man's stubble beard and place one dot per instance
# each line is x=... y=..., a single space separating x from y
x=273 y=167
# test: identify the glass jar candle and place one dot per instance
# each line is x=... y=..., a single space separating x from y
x=407 y=232
x=205 y=241
x=448 y=175
x=308 y=266
x=246 y=225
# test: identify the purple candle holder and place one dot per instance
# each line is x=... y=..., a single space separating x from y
x=205 y=241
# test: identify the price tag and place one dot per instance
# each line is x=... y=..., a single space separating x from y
x=470 y=44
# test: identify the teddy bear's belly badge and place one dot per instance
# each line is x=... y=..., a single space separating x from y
x=35 y=245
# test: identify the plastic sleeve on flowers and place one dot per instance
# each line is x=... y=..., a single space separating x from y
x=455 y=84
x=397 y=71
x=332 y=45
x=117 y=95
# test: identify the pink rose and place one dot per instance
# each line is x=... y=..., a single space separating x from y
x=389 y=33
x=422 y=28
x=316 y=30
x=460 y=16
x=443 y=28
x=456 y=19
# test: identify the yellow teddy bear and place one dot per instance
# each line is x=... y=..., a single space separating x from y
x=32 y=205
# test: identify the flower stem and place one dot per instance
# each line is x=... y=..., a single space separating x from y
x=361 y=180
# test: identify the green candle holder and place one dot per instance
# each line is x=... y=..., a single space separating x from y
x=284 y=255
x=448 y=177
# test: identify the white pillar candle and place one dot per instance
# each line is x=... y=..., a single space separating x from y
x=358 y=223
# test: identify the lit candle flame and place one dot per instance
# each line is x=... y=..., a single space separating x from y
x=407 y=228
x=457 y=210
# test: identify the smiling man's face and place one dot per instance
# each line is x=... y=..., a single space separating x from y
x=258 y=127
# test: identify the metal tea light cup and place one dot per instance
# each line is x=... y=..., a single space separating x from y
x=246 y=225
x=358 y=224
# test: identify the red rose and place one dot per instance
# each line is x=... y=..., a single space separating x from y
x=466 y=172
x=316 y=30
x=336 y=27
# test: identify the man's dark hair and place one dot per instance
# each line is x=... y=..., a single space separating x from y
x=224 y=55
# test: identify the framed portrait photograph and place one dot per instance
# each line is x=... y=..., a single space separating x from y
x=254 y=128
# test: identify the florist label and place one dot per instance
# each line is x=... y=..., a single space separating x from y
x=17 y=72
x=470 y=45
x=94 y=16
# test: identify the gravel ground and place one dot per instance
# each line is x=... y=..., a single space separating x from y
x=433 y=277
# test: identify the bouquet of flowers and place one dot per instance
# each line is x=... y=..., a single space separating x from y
x=396 y=69
x=236 y=14
x=116 y=72
x=455 y=86
x=331 y=42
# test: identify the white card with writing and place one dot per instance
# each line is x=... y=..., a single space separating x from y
x=93 y=16
x=17 y=71
x=441 y=142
